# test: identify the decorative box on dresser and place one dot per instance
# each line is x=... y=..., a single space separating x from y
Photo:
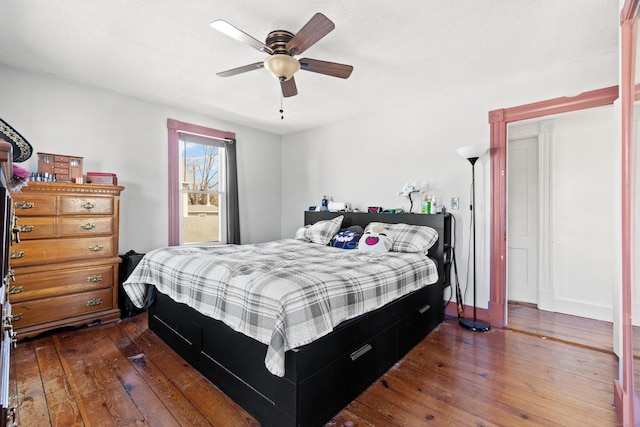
x=66 y=263
x=7 y=413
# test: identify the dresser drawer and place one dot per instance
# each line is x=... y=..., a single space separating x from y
x=61 y=168
x=61 y=159
x=38 y=252
x=74 y=226
x=50 y=227
x=29 y=286
x=70 y=205
x=37 y=227
x=57 y=308
x=34 y=204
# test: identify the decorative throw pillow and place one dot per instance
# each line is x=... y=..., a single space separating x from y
x=375 y=239
x=409 y=238
x=347 y=238
x=321 y=232
x=300 y=233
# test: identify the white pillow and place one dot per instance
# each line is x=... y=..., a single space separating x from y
x=409 y=238
x=375 y=239
x=300 y=233
x=321 y=232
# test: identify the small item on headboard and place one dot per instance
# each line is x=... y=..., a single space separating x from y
x=394 y=211
x=374 y=209
x=325 y=204
x=338 y=206
x=312 y=208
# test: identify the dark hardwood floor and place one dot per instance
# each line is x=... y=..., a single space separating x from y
x=122 y=374
x=592 y=334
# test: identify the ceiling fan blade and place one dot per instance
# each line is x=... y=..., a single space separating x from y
x=289 y=88
x=240 y=70
x=315 y=29
x=323 y=67
x=225 y=28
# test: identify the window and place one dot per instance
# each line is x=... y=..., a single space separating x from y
x=203 y=199
x=202 y=189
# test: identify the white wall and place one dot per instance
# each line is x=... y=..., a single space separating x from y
x=128 y=136
x=363 y=161
x=577 y=266
x=585 y=174
x=366 y=161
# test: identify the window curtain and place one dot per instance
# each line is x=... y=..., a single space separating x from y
x=233 y=218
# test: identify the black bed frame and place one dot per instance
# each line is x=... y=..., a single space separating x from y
x=322 y=377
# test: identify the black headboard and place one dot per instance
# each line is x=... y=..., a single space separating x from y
x=441 y=251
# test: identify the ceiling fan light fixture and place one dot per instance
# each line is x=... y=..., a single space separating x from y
x=282 y=66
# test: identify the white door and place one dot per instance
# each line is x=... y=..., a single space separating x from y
x=522 y=220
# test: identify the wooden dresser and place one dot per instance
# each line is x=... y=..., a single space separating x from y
x=66 y=264
x=7 y=413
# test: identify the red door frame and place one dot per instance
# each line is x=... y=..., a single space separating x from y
x=625 y=397
x=498 y=120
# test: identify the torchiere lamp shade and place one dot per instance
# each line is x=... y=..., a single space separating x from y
x=472 y=151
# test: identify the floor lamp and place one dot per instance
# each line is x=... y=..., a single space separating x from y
x=473 y=153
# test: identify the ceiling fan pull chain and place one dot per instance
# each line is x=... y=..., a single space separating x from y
x=281 y=106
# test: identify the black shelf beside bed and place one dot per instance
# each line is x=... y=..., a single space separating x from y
x=322 y=377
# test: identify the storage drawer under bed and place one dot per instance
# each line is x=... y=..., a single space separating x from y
x=306 y=360
x=346 y=377
x=333 y=368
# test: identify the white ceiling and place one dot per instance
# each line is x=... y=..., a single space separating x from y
x=403 y=52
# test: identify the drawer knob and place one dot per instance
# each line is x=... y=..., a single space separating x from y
x=361 y=352
x=96 y=248
x=25 y=205
x=14 y=338
x=26 y=228
x=15 y=290
x=16 y=230
x=95 y=301
x=88 y=205
x=16 y=316
x=88 y=226
x=94 y=278
x=16 y=254
x=424 y=309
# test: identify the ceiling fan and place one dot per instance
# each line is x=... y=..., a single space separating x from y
x=282 y=45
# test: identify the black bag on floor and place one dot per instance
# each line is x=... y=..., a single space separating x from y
x=128 y=264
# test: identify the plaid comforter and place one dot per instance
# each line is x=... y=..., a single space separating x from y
x=285 y=293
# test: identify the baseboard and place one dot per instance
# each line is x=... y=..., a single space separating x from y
x=591 y=311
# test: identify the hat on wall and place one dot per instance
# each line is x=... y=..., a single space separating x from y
x=22 y=150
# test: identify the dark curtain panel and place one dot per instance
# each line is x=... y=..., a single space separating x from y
x=233 y=218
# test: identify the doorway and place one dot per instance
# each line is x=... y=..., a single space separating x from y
x=560 y=227
x=523 y=207
x=498 y=121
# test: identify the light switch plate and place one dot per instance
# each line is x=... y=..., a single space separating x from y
x=455 y=203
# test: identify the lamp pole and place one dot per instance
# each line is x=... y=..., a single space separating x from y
x=474 y=325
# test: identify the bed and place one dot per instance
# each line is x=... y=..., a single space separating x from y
x=307 y=384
